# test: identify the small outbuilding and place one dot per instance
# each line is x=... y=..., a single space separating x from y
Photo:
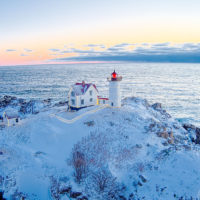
x=10 y=119
x=102 y=100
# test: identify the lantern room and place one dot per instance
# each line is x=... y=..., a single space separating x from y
x=115 y=77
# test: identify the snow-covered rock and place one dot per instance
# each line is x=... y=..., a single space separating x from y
x=137 y=151
x=24 y=108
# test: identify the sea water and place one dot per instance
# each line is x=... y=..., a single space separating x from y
x=176 y=86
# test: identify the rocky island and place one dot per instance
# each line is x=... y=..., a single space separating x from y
x=134 y=152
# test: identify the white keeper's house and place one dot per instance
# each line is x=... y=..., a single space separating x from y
x=83 y=94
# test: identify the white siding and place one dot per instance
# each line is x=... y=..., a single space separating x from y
x=86 y=97
x=11 y=122
x=114 y=93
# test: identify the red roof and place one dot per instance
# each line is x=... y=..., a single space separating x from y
x=102 y=98
x=84 y=86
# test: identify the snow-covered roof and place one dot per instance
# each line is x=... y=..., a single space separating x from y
x=11 y=113
x=81 y=88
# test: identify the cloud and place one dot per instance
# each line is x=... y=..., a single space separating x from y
x=28 y=50
x=10 y=50
x=161 y=44
x=23 y=54
x=56 y=54
x=145 y=44
x=191 y=46
x=95 y=45
x=54 y=50
x=163 y=52
x=122 y=45
x=80 y=51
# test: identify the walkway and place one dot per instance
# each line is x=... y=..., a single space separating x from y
x=70 y=121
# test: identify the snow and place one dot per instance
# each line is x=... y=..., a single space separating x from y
x=30 y=181
x=81 y=88
x=119 y=138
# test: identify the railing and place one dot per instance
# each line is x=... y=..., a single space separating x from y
x=119 y=78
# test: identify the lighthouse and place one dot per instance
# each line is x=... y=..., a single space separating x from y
x=114 y=90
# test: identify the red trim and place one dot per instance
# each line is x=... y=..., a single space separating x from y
x=103 y=98
x=95 y=87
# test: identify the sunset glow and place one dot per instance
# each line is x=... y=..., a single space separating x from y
x=48 y=31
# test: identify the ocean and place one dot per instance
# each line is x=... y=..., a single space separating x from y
x=175 y=85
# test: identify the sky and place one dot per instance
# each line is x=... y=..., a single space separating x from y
x=82 y=31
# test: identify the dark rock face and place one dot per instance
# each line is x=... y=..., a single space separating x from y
x=22 y=105
x=61 y=103
x=21 y=100
x=75 y=194
x=47 y=101
x=28 y=107
x=122 y=197
x=144 y=180
x=82 y=198
x=197 y=135
x=66 y=190
x=131 y=197
x=191 y=128
x=157 y=106
x=1 y=196
x=90 y=123
x=6 y=100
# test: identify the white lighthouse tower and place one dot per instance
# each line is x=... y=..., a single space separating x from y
x=114 y=90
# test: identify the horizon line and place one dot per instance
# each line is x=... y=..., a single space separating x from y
x=102 y=62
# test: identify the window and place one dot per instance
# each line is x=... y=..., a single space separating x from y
x=72 y=93
x=90 y=92
x=91 y=99
x=112 y=104
x=73 y=102
x=17 y=120
x=82 y=101
x=104 y=101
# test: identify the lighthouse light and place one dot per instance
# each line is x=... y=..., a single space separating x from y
x=114 y=75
